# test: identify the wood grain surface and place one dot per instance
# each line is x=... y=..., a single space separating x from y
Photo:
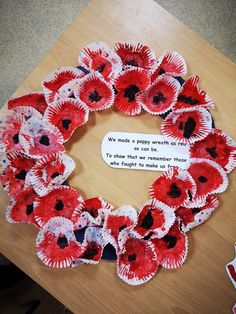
x=201 y=285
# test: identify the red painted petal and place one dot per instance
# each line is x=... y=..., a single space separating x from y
x=138 y=262
x=192 y=217
x=174 y=187
x=61 y=201
x=187 y=127
x=192 y=97
x=217 y=146
x=135 y=54
x=210 y=178
x=100 y=57
x=172 y=63
x=50 y=171
x=21 y=207
x=154 y=217
x=95 y=92
x=56 y=243
x=39 y=138
x=93 y=246
x=34 y=100
x=118 y=224
x=173 y=248
x=10 y=126
x=67 y=115
x=129 y=84
x=160 y=96
x=91 y=212
x=54 y=85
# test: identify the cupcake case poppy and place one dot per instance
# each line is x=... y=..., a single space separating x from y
x=34 y=167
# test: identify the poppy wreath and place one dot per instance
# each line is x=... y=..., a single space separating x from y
x=34 y=166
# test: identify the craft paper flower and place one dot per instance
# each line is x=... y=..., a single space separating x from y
x=100 y=57
x=172 y=249
x=57 y=84
x=187 y=127
x=39 y=138
x=95 y=92
x=128 y=85
x=56 y=243
x=135 y=54
x=50 y=171
x=217 y=146
x=160 y=96
x=61 y=201
x=67 y=115
x=171 y=63
x=138 y=263
x=192 y=96
x=192 y=217
x=154 y=220
x=174 y=188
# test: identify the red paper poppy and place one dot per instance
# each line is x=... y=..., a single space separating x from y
x=154 y=220
x=118 y=224
x=217 y=146
x=100 y=57
x=187 y=127
x=10 y=126
x=172 y=249
x=67 y=115
x=39 y=138
x=50 y=171
x=91 y=212
x=192 y=217
x=21 y=207
x=135 y=54
x=160 y=96
x=209 y=177
x=129 y=84
x=56 y=86
x=56 y=243
x=61 y=201
x=95 y=92
x=191 y=96
x=174 y=188
x=16 y=175
x=33 y=100
x=138 y=263
x=170 y=62
x=93 y=246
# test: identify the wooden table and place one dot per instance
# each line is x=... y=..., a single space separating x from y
x=201 y=285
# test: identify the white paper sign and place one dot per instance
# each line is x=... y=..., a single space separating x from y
x=143 y=151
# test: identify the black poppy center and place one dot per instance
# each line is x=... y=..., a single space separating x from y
x=174 y=191
x=101 y=67
x=44 y=140
x=212 y=151
x=159 y=97
x=132 y=257
x=91 y=251
x=188 y=100
x=122 y=227
x=66 y=123
x=59 y=205
x=161 y=71
x=132 y=62
x=29 y=209
x=21 y=175
x=147 y=221
x=94 y=96
x=202 y=179
x=196 y=210
x=15 y=138
x=62 y=242
x=170 y=240
x=188 y=127
x=130 y=92
x=55 y=174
